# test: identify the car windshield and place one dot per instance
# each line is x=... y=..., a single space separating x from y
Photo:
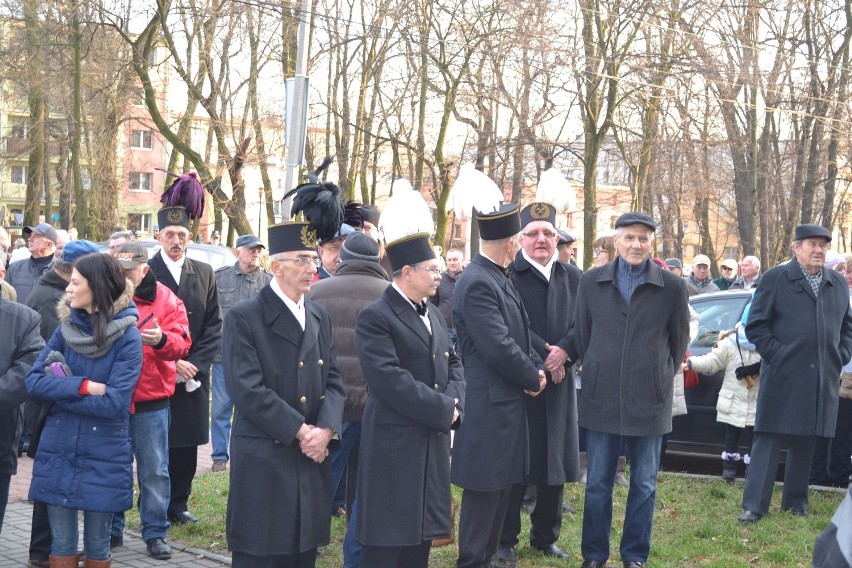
x=716 y=315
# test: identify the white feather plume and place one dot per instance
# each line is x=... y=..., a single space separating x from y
x=405 y=213
x=473 y=189
x=555 y=189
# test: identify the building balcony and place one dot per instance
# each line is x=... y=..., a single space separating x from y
x=12 y=192
x=14 y=147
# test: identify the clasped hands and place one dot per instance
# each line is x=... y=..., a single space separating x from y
x=555 y=362
x=313 y=441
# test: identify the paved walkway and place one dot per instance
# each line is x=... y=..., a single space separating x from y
x=15 y=538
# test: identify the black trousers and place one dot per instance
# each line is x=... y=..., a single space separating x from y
x=307 y=559
x=546 y=516
x=40 y=539
x=416 y=556
x=835 y=450
x=480 y=525
x=182 y=465
x=765 y=455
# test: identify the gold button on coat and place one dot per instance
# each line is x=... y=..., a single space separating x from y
x=301 y=364
x=303 y=400
x=320 y=363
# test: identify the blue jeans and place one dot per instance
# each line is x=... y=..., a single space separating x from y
x=603 y=451
x=222 y=407
x=149 y=435
x=454 y=340
x=351 y=546
x=349 y=435
x=63 y=531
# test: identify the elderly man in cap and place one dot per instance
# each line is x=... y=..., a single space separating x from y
x=801 y=323
x=329 y=252
x=564 y=248
x=194 y=283
x=281 y=372
x=23 y=275
x=632 y=329
x=729 y=274
x=416 y=395
x=501 y=370
x=164 y=327
x=236 y=283
x=548 y=290
x=700 y=277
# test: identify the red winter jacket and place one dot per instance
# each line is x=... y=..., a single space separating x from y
x=157 y=381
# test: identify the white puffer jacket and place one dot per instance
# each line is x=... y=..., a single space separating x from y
x=737 y=403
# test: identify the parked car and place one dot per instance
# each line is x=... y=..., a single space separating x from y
x=214 y=255
x=697 y=431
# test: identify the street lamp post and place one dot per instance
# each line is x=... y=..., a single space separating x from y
x=259 y=209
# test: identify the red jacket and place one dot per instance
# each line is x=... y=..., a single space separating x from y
x=157 y=381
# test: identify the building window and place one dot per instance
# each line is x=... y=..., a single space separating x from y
x=140 y=181
x=732 y=252
x=139 y=222
x=140 y=139
x=20 y=129
x=19 y=175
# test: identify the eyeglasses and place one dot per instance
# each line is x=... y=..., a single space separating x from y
x=535 y=234
x=727 y=268
x=433 y=269
x=598 y=252
x=305 y=261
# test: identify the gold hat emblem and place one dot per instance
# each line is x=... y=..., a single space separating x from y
x=175 y=216
x=308 y=237
x=540 y=211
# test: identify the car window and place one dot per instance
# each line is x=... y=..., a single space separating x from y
x=716 y=315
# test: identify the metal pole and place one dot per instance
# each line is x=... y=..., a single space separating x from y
x=295 y=142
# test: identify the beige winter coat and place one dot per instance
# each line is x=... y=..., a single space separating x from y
x=737 y=403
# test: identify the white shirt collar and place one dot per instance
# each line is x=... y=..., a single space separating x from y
x=547 y=268
x=425 y=318
x=175 y=267
x=298 y=308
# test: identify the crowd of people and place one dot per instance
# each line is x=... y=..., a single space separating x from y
x=340 y=379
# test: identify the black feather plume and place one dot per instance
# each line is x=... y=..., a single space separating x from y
x=352 y=215
x=319 y=202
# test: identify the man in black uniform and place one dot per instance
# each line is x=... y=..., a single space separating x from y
x=194 y=283
x=548 y=289
x=501 y=370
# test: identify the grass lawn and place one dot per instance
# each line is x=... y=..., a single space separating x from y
x=695 y=525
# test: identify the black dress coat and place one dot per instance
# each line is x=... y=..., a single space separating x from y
x=190 y=411
x=279 y=378
x=630 y=353
x=551 y=416
x=803 y=343
x=490 y=451
x=413 y=378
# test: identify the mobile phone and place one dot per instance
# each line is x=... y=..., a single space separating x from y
x=57 y=369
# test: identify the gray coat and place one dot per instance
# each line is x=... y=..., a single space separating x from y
x=279 y=378
x=414 y=379
x=630 y=353
x=356 y=284
x=236 y=286
x=491 y=447
x=803 y=341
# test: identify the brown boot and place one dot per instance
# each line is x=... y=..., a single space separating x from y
x=584 y=466
x=620 y=477
x=98 y=563
x=63 y=561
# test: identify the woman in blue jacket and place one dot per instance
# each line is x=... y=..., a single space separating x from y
x=84 y=460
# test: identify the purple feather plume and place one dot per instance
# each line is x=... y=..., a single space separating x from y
x=185 y=190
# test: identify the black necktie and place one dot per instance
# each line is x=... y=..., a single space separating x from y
x=420 y=307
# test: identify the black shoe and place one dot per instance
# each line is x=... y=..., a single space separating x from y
x=749 y=517
x=593 y=564
x=183 y=518
x=633 y=564
x=798 y=511
x=505 y=556
x=552 y=550
x=158 y=548
x=116 y=540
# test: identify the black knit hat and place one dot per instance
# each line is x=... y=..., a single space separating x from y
x=409 y=250
x=359 y=246
x=501 y=224
x=288 y=237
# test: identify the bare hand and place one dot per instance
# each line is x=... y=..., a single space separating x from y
x=558 y=375
x=94 y=388
x=315 y=443
x=185 y=370
x=556 y=358
x=153 y=335
x=684 y=367
x=542 y=381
